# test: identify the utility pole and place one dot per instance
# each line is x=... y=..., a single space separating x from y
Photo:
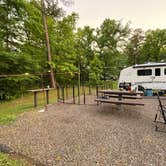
x=47 y=44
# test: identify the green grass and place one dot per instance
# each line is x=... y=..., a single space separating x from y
x=5 y=160
x=10 y=110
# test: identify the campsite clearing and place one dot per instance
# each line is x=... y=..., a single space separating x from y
x=91 y=134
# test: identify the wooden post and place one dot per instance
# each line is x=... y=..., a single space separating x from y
x=66 y=92
x=97 y=91
x=79 y=86
x=47 y=96
x=58 y=94
x=84 y=97
x=35 y=99
x=89 y=90
x=73 y=94
x=63 y=94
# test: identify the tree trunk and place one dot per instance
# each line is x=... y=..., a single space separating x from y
x=53 y=82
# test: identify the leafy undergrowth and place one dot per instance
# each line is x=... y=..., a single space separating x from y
x=5 y=160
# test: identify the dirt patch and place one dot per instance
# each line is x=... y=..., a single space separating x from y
x=89 y=134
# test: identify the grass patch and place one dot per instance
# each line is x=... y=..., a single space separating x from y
x=10 y=110
x=5 y=160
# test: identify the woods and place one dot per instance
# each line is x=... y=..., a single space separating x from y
x=97 y=53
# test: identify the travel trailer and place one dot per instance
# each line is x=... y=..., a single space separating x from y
x=144 y=76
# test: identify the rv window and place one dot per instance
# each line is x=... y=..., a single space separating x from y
x=165 y=71
x=146 y=72
x=157 y=72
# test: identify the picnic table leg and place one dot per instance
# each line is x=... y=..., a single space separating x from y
x=120 y=96
x=47 y=96
x=35 y=99
x=120 y=99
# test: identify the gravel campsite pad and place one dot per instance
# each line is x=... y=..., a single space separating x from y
x=90 y=134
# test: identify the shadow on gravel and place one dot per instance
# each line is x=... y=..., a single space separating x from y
x=7 y=150
x=122 y=112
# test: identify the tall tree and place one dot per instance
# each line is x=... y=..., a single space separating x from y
x=48 y=44
x=64 y=47
x=154 y=45
x=134 y=45
x=15 y=57
x=85 y=40
x=11 y=22
x=111 y=37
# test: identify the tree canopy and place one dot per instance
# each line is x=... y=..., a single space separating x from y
x=97 y=53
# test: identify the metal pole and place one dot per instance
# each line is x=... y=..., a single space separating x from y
x=73 y=94
x=79 y=85
x=63 y=94
x=84 y=97
x=97 y=89
x=97 y=93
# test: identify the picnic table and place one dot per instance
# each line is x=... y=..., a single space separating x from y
x=107 y=95
x=35 y=91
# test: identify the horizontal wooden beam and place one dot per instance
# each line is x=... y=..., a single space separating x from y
x=118 y=102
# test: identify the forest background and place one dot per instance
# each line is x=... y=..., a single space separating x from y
x=98 y=54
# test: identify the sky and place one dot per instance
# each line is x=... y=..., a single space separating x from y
x=145 y=14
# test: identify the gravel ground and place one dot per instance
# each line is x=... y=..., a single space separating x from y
x=87 y=135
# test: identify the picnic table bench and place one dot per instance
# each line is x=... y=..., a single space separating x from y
x=125 y=97
x=120 y=95
x=118 y=102
x=120 y=92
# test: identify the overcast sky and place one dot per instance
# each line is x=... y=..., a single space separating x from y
x=145 y=14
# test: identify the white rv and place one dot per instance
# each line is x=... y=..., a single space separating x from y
x=148 y=76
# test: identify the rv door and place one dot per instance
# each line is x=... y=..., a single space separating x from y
x=157 y=74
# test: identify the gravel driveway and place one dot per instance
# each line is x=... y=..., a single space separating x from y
x=87 y=135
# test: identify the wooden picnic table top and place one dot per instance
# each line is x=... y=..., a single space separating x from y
x=40 y=90
x=119 y=92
